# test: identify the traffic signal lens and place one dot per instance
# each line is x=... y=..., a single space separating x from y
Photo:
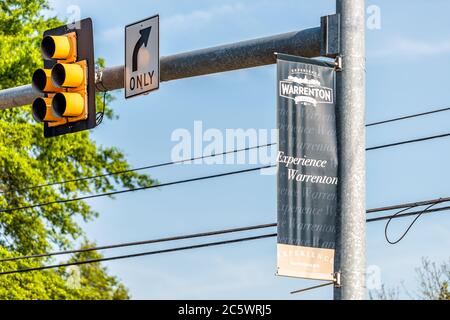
x=67 y=75
x=68 y=104
x=56 y=47
x=42 y=110
x=41 y=81
x=39 y=109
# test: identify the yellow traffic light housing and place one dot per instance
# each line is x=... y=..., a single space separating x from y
x=42 y=81
x=72 y=103
x=63 y=48
x=67 y=80
x=42 y=111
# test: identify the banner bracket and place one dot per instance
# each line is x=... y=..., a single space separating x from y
x=336 y=282
x=338 y=64
x=337 y=279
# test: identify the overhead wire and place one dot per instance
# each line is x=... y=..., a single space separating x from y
x=407 y=214
x=408 y=141
x=408 y=117
x=134 y=255
x=236 y=151
x=410 y=205
x=152 y=166
x=203 y=234
x=138 y=189
x=139 y=243
x=401 y=213
x=233 y=151
x=160 y=185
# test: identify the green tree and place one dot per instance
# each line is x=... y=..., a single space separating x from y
x=27 y=159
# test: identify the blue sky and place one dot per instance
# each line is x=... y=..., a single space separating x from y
x=407 y=61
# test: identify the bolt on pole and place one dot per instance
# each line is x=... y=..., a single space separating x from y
x=350 y=248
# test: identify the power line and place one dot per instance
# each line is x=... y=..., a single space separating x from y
x=153 y=166
x=407 y=117
x=204 y=245
x=407 y=214
x=399 y=214
x=195 y=179
x=209 y=244
x=106 y=194
x=229 y=152
x=408 y=141
x=232 y=151
x=410 y=205
x=138 y=243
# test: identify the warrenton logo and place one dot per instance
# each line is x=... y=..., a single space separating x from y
x=305 y=91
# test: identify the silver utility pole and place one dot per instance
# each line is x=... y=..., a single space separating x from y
x=350 y=250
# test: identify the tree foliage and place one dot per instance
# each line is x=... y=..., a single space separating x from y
x=434 y=280
x=433 y=284
x=27 y=159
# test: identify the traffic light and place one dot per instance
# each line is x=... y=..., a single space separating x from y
x=67 y=80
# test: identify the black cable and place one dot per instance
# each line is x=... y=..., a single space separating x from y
x=407 y=117
x=131 y=244
x=234 y=230
x=408 y=141
x=99 y=116
x=204 y=245
x=410 y=205
x=407 y=230
x=205 y=157
x=154 y=166
x=407 y=214
x=106 y=194
x=397 y=215
x=232 y=151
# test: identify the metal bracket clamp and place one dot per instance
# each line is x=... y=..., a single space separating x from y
x=336 y=282
x=338 y=63
x=330 y=31
x=99 y=80
x=337 y=279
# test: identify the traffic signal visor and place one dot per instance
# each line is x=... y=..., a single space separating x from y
x=60 y=48
x=42 y=111
x=42 y=81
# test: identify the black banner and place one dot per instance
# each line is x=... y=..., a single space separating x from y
x=307 y=168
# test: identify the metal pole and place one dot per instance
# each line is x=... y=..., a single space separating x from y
x=234 y=56
x=350 y=250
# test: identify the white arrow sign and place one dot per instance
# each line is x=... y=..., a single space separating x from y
x=142 y=57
